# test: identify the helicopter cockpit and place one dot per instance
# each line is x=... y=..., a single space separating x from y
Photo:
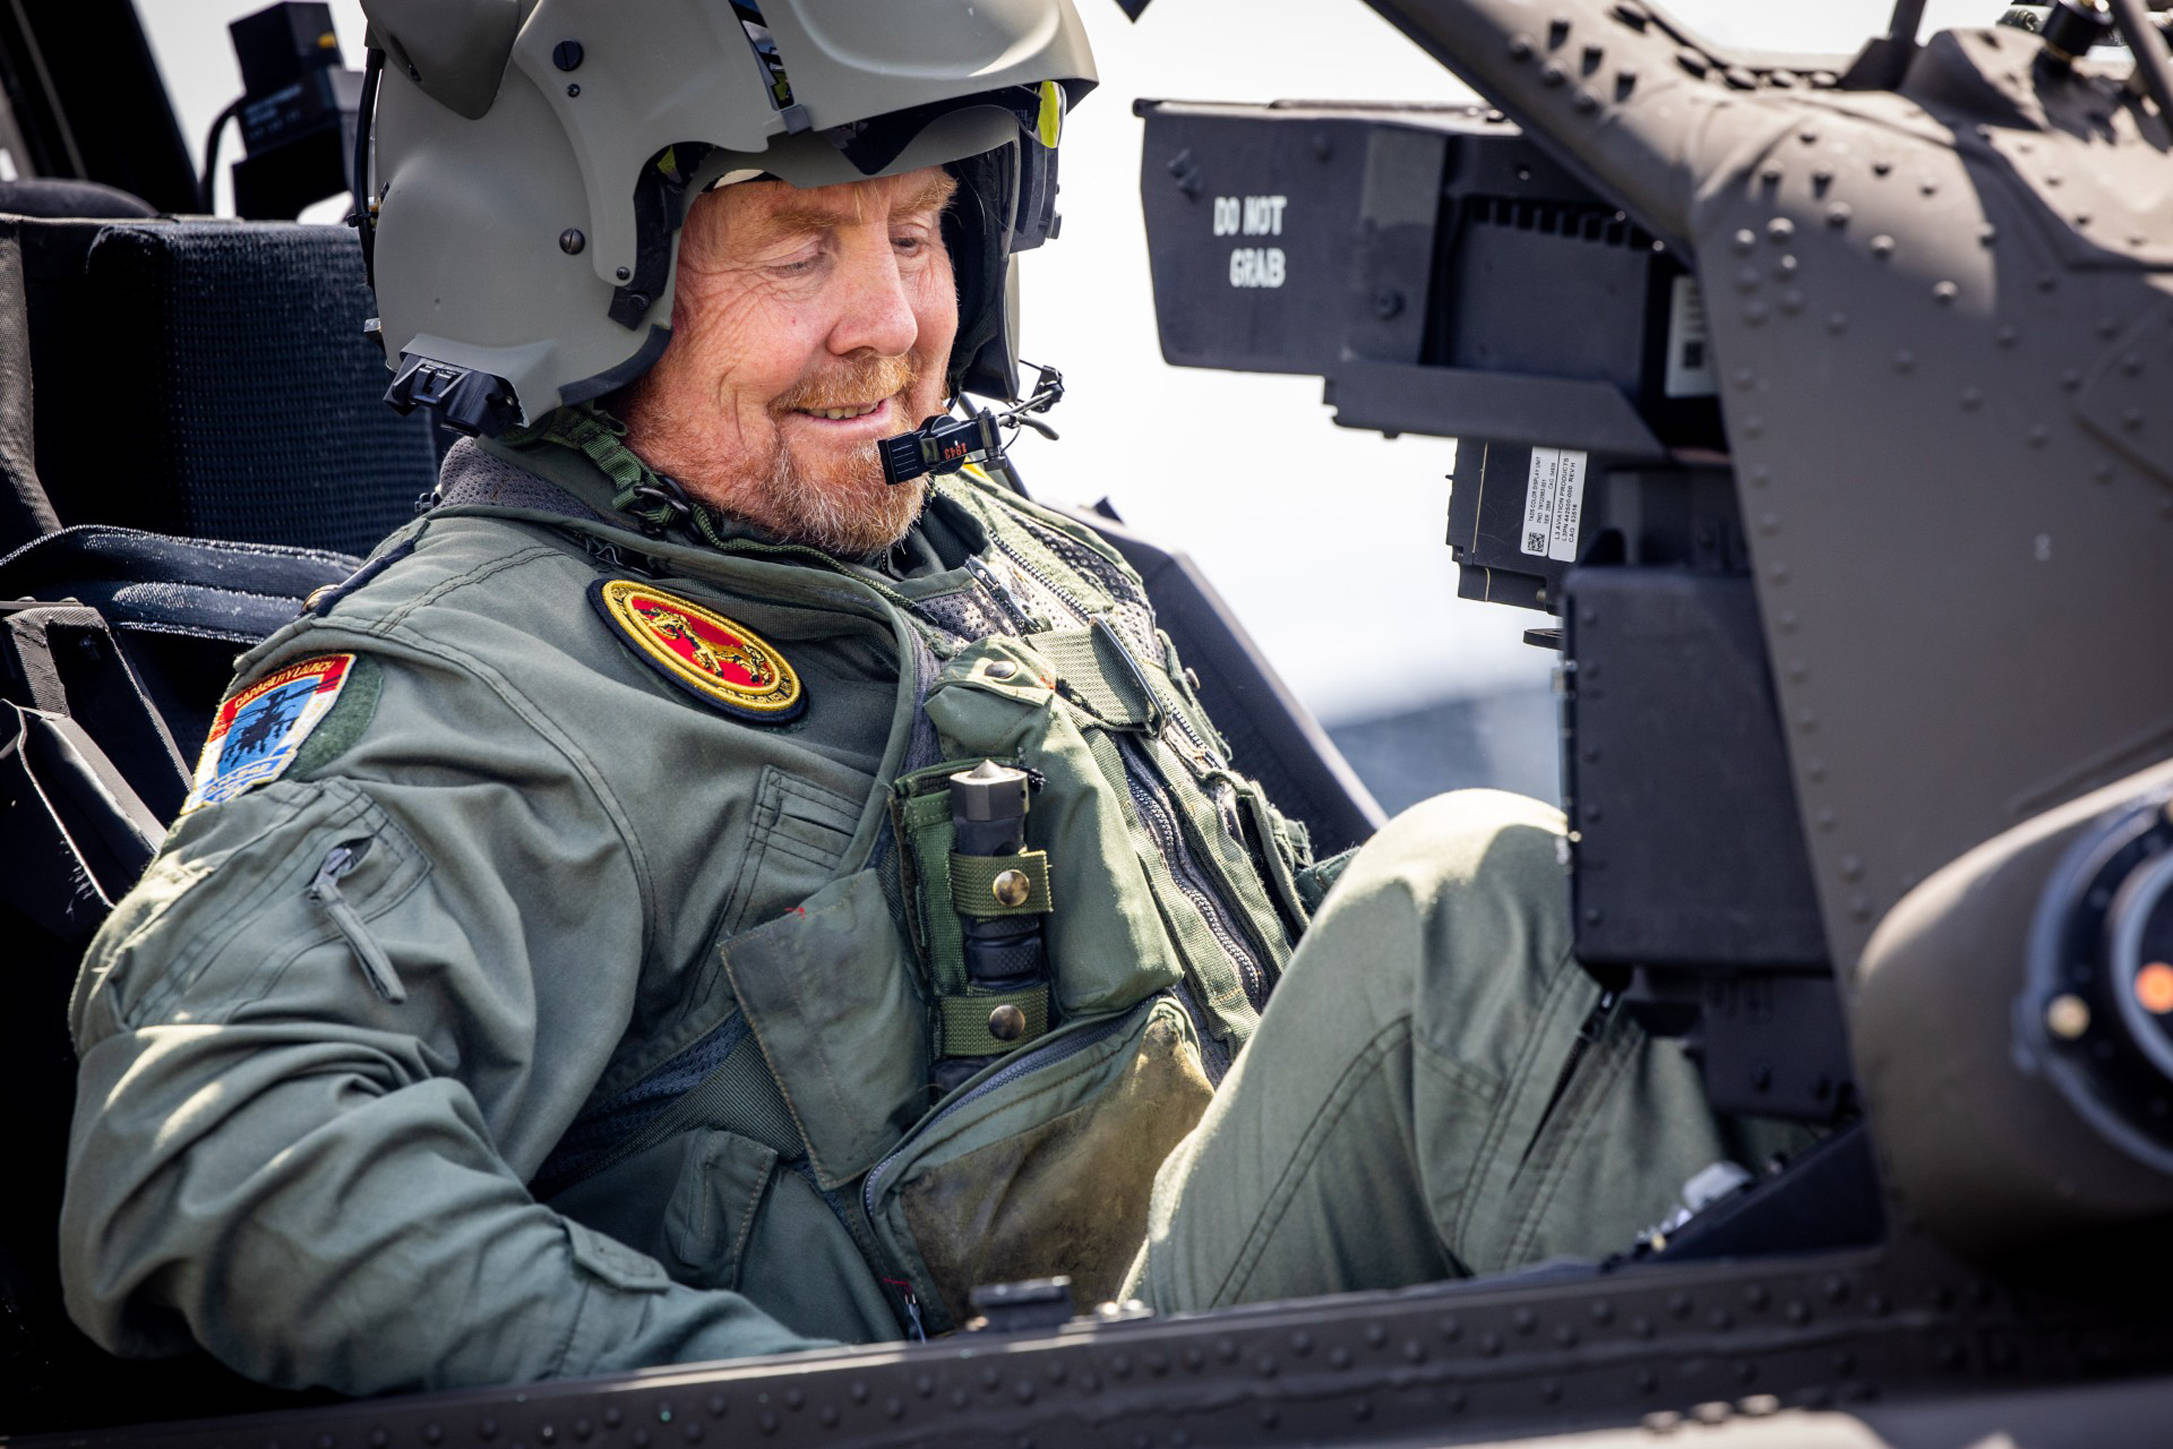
x=1803 y=407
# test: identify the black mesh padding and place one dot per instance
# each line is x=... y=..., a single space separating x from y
x=1132 y=614
x=236 y=397
x=965 y=615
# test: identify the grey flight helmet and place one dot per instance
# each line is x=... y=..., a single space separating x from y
x=534 y=160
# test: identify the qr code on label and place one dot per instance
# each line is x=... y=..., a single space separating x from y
x=1535 y=543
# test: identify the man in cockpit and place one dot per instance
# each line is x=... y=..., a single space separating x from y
x=584 y=965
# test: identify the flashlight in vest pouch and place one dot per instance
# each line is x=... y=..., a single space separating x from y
x=1004 y=952
x=988 y=818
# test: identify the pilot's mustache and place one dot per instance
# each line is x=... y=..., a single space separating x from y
x=854 y=383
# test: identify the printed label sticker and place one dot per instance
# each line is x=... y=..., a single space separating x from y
x=1689 y=344
x=1553 y=503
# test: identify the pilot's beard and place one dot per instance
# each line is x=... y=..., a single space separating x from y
x=841 y=506
x=834 y=502
x=844 y=509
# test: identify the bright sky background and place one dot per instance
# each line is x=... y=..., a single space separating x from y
x=1327 y=542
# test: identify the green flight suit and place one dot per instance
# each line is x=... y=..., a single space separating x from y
x=543 y=1019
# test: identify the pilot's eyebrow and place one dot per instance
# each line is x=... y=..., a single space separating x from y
x=934 y=195
x=798 y=216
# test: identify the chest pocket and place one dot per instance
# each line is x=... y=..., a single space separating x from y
x=798 y=838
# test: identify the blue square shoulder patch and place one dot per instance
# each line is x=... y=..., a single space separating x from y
x=256 y=733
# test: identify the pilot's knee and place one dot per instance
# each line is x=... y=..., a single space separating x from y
x=1441 y=850
x=1469 y=883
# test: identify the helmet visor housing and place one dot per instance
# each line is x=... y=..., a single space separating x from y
x=523 y=255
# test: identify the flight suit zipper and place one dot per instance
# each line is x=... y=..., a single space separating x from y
x=1079 y=612
x=1014 y=608
x=915 y=1329
x=1162 y=821
x=324 y=890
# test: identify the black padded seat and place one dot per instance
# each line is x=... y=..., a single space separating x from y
x=210 y=379
x=49 y=196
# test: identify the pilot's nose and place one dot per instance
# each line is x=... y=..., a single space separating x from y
x=875 y=311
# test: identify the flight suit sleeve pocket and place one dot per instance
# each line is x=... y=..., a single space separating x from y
x=613 y=1262
x=297 y=866
x=712 y=1211
x=830 y=992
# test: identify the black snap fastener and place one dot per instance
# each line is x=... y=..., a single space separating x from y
x=1007 y=1023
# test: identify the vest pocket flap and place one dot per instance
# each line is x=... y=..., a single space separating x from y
x=1105 y=933
x=830 y=993
x=1103 y=676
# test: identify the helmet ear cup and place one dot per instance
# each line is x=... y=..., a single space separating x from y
x=977 y=233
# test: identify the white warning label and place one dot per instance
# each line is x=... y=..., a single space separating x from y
x=1554 y=503
x=1689 y=344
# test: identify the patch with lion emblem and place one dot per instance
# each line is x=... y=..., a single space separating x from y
x=723 y=664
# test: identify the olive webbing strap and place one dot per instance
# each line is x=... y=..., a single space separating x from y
x=1111 y=688
x=965 y=1021
x=642 y=493
x=1213 y=975
x=1278 y=834
x=595 y=435
x=978 y=884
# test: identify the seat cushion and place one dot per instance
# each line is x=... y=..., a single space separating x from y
x=222 y=388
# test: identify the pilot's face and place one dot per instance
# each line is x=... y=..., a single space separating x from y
x=806 y=326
